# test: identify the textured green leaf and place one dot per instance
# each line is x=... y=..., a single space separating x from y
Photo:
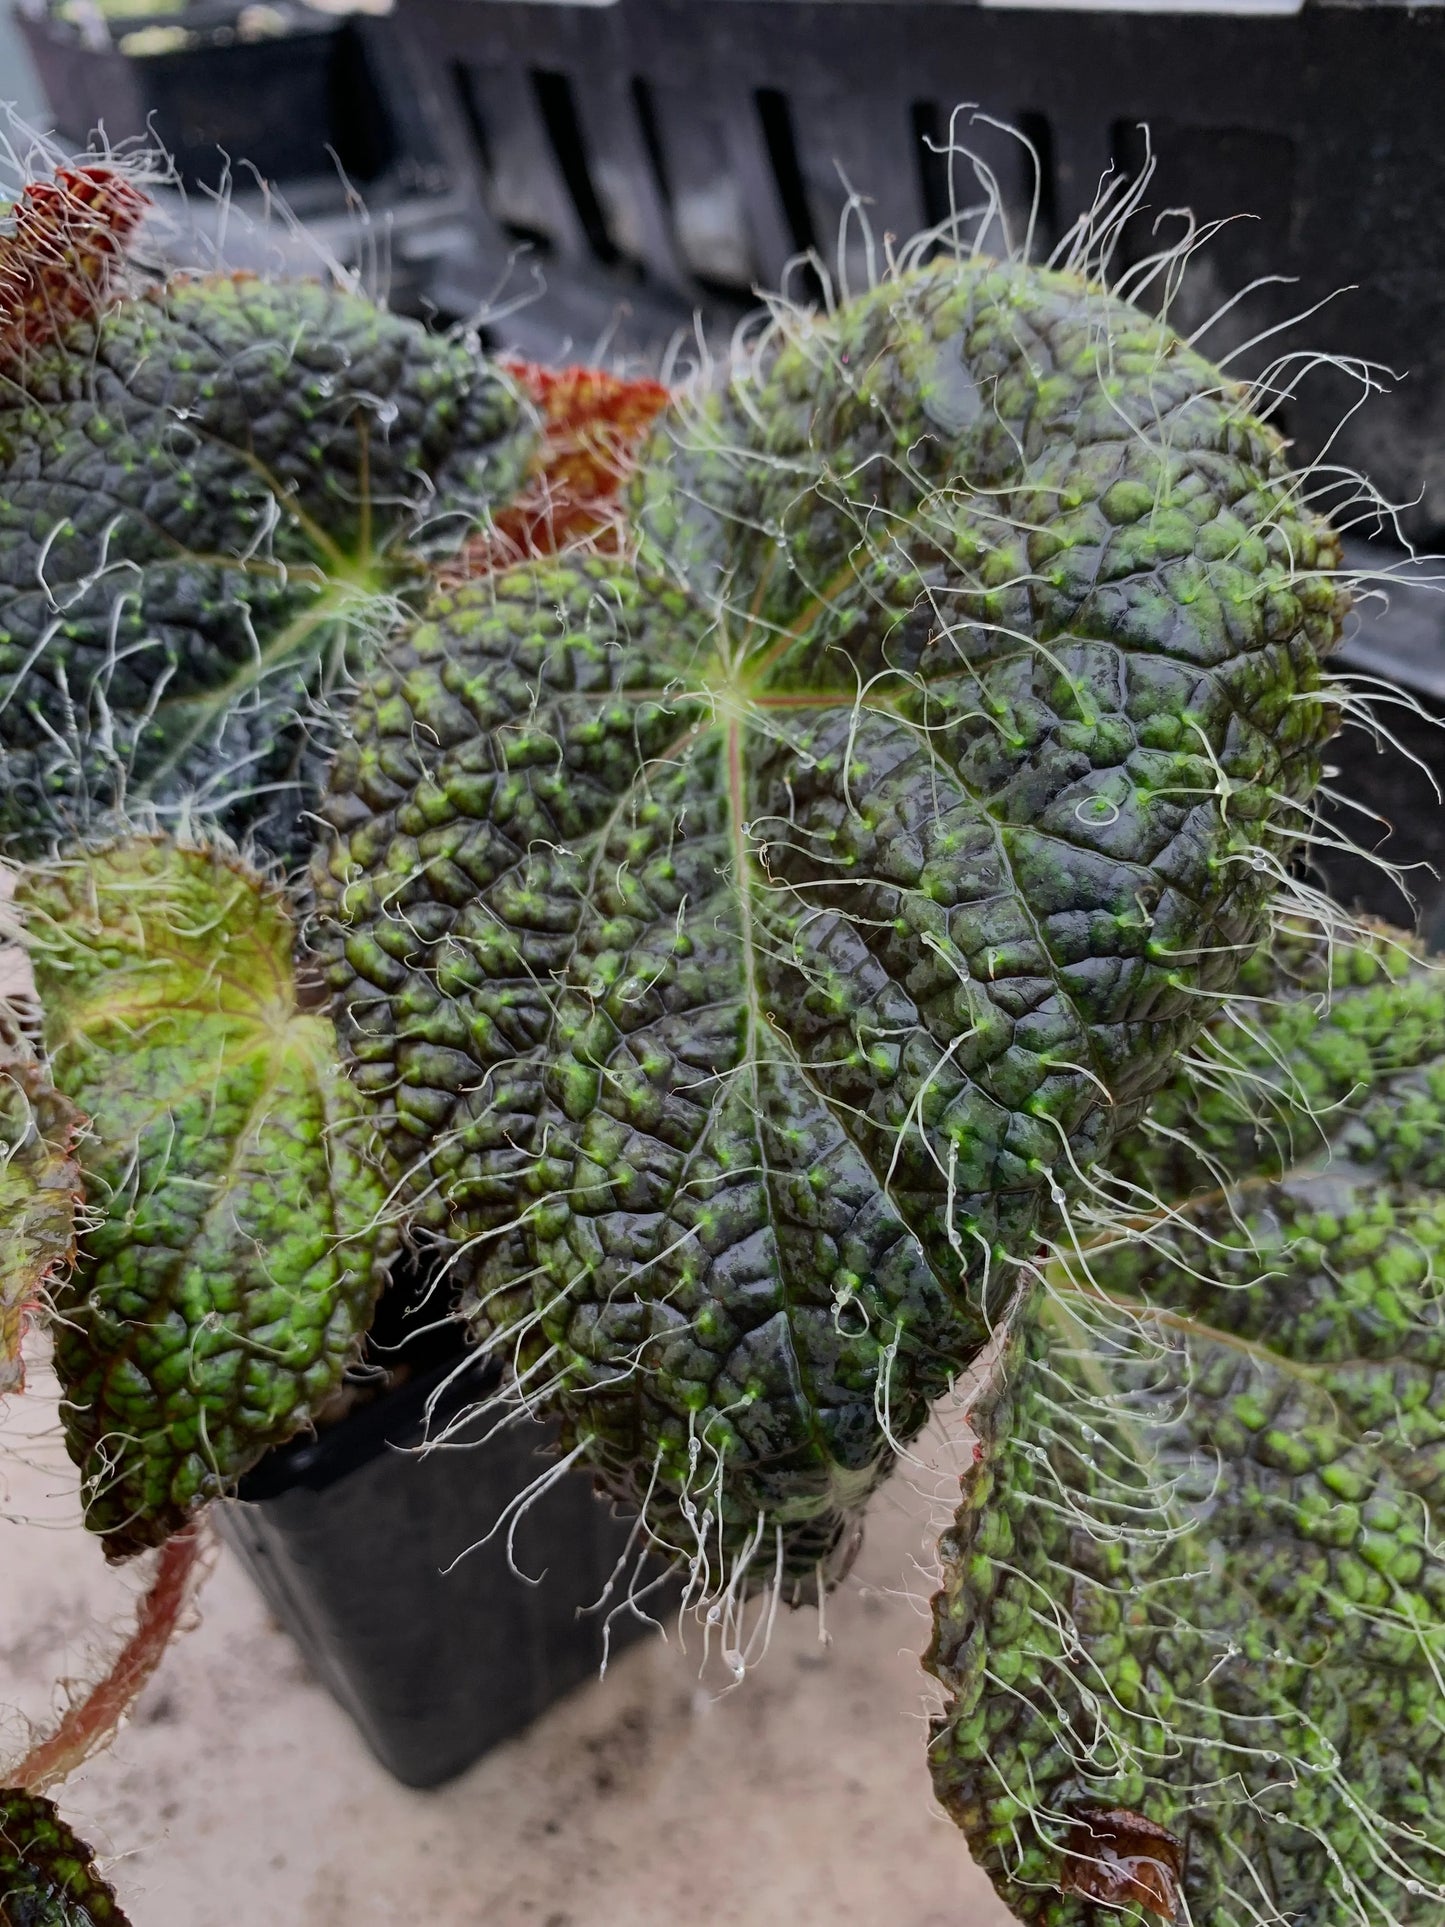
x=40 y=1190
x=47 y=1875
x=208 y=500
x=744 y=949
x=213 y=1310
x=1198 y=1574
x=1315 y=1037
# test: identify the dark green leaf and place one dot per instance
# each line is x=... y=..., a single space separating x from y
x=47 y=1875
x=209 y=500
x=745 y=949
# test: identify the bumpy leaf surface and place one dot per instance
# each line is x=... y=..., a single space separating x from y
x=1197 y=1574
x=214 y=1309
x=745 y=947
x=40 y=1191
x=1312 y=1034
x=209 y=499
x=47 y=1875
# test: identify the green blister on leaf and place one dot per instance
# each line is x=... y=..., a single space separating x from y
x=214 y=1308
x=210 y=499
x=47 y=1875
x=746 y=947
x=40 y=1195
x=1214 y=1593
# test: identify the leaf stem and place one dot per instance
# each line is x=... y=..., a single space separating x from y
x=92 y=1723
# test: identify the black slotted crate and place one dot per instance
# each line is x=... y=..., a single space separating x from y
x=664 y=157
x=672 y=154
x=273 y=103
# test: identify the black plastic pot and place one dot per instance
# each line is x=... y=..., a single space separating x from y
x=360 y=1547
x=277 y=103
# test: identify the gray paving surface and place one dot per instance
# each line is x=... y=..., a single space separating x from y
x=240 y=1795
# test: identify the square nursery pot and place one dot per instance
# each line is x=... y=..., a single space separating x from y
x=221 y=85
x=348 y=1536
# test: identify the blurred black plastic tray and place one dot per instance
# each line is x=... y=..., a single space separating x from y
x=660 y=155
x=270 y=100
x=312 y=97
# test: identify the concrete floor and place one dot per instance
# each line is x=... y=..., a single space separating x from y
x=239 y=1795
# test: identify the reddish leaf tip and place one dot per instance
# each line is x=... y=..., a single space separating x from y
x=64 y=241
x=593 y=424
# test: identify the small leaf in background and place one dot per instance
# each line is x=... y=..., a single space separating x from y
x=593 y=427
x=1199 y=1571
x=62 y=249
x=40 y=1196
x=212 y=496
x=47 y=1875
x=241 y=1245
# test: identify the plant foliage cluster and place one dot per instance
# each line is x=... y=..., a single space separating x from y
x=736 y=876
